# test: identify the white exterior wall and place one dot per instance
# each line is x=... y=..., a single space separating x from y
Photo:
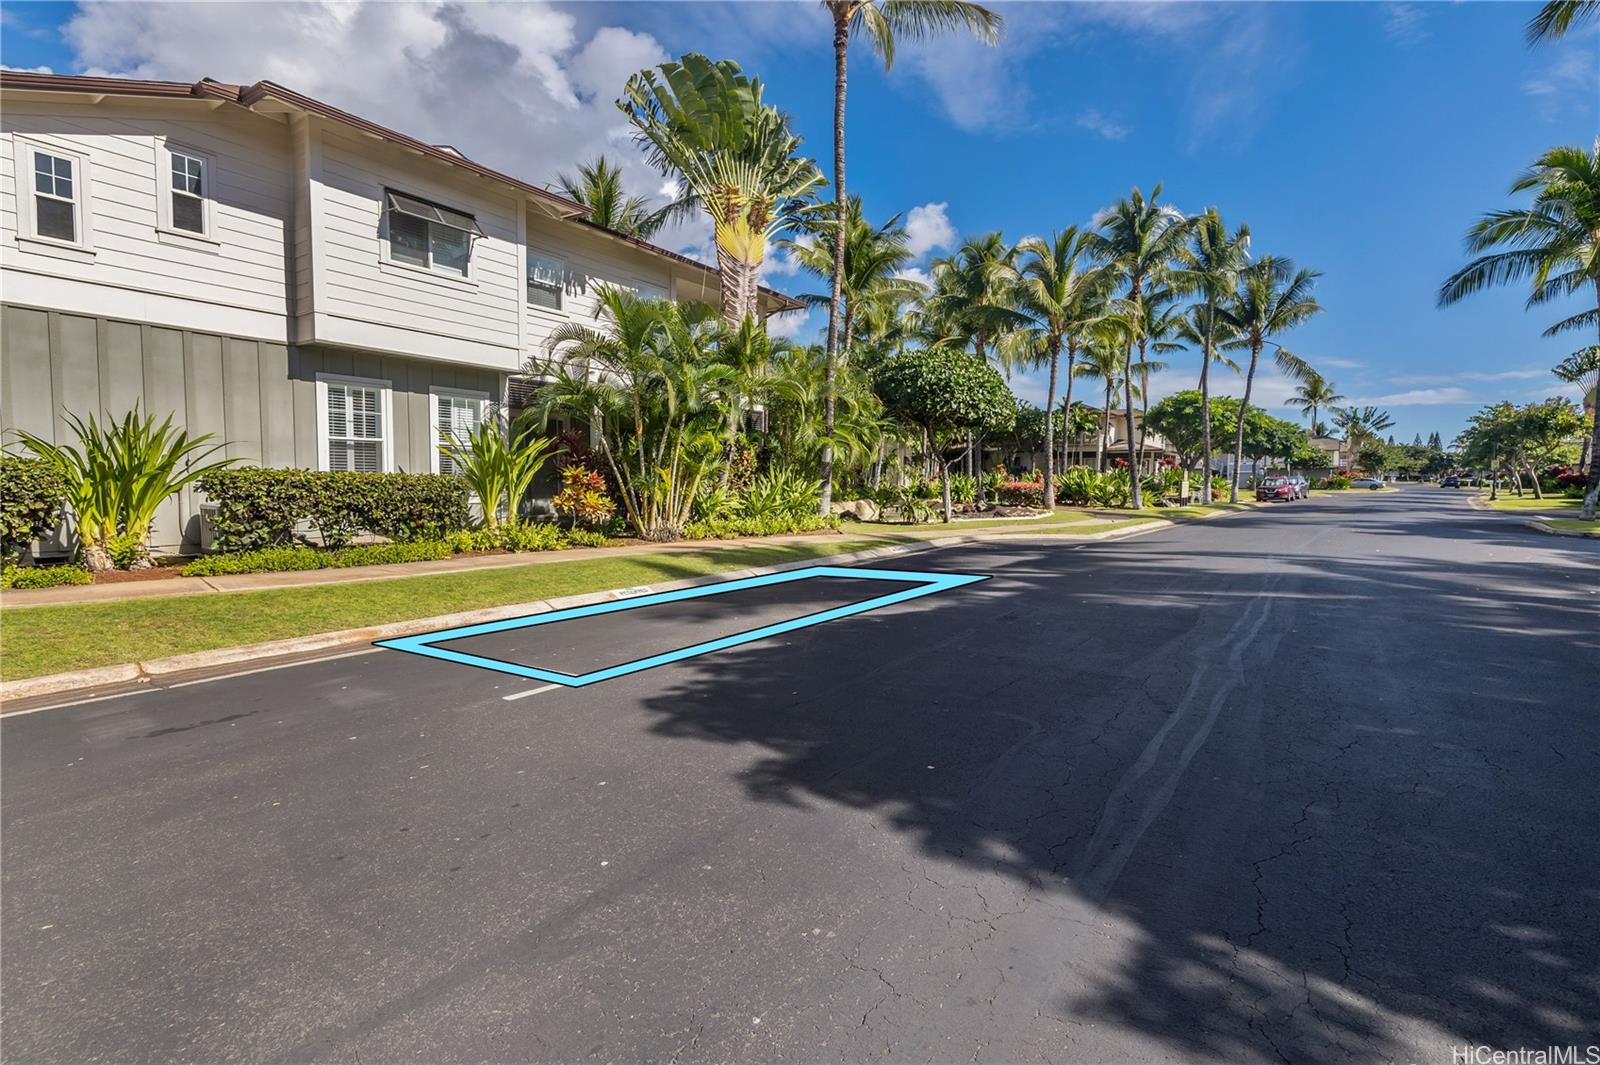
x=234 y=280
x=359 y=298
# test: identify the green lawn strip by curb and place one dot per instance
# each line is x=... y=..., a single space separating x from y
x=1577 y=525
x=1061 y=515
x=1550 y=502
x=55 y=639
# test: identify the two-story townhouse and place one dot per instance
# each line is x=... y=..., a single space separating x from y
x=310 y=287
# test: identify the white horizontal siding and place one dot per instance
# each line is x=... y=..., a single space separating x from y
x=251 y=190
x=353 y=280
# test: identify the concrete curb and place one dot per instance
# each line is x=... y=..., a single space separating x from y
x=85 y=682
x=1539 y=526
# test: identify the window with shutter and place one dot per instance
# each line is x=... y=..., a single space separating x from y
x=428 y=235
x=456 y=416
x=355 y=427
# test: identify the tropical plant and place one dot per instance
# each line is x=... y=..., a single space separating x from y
x=1102 y=361
x=1362 y=426
x=1141 y=240
x=499 y=468
x=598 y=186
x=1489 y=440
x=1557 y=17
x=30 y=503
x=883 y=21
x=947 y=394
x=1554 y=244
x=1272 y=298
x=1314 y=393
x=778 y=493
x=1061 y=294
x=1210 y=271
x=116 y=477
x=706 y=123
x=583 y=497
x=649 y=381
x=1582 y=368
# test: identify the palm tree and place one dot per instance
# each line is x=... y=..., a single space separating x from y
x=706 y=123
x=1102 y=361
x=1555 y=243
x=598 y=186
x=1362 y=426
x=745 y=357
x=1273 y=297
x=1312 y=394
x=1211 y=272
x=1582 y=368
x=1062 y=295
x=882 y=21
x=1556 y=17
x=1140 y=240
x=874 y=257
x=1158 y=326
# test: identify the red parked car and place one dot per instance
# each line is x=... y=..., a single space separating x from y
x=1275 y=488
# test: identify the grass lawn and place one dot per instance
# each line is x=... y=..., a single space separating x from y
x=1527 y=502
x=54 y=639
x=1574 y=525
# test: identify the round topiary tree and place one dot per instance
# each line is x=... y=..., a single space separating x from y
x=946 y=393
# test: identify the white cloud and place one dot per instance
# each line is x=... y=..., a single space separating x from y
x=27 y=70
x=917 y=274
x=1568 y=78
x=514 y=86
x=1417 y=397
x=1338 y=364
x=1101 y=126
x=1404 y=24
x=928 y=227
x=788 y=326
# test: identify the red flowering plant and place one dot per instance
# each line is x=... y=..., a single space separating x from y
x=583 y=499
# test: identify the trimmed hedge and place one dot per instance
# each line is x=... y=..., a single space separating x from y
x=286 y=559
x=30 y=502
x=259 y=508
x=733 y=528
x=43 y=576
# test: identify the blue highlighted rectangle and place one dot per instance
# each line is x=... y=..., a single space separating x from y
x=922 y=584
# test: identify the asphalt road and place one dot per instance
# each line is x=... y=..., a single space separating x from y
x=1304 y=784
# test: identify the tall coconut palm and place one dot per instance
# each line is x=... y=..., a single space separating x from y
x=1362 y=426
x=598 y=186
x=1160 y=318
x=874 y=257
x=1273 y=297
x=1211 y=273
x=1141 y=240
x=706 y=123
x=1582 y=368
x=883 y=22
x=1312 y=394
x=1554 y=243
x=1557 y=17
x=1103 y=362
x=1061 y=293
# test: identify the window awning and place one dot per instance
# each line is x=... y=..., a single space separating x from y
x=432 y=212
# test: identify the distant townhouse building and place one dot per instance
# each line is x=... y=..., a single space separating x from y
x=308 y=286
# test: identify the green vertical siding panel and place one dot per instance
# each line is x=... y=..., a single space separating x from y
x=75 y=372
x=304 y=364
x=27 y=395
x=121 y=366
x=203 y=385
x=242 y=413
x=277 y=406
x=162 y=350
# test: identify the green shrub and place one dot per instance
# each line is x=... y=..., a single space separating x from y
x=43 y=576
x=1080 y=486
x=583 y=498
x=30 y=502
x=777 y=494
x=588 y=538
x=261 y=507
x=526 y=536
x=963 y=489
x=289 y=559
x=732 y=528
x=1020 y=494
x=1336 y=483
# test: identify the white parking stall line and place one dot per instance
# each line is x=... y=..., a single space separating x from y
x=531 y=691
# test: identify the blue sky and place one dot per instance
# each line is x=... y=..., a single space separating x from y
x=1359 y=139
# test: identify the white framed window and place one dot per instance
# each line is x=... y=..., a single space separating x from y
x=355 y=424
x=428 y=235
x=455 y=415
x=546 y=277
x=57 y=189
x=187 y=193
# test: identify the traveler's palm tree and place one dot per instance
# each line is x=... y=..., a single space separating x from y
x=707 y=124
x=598 y=186
x=1141 y=240
x=1554 y=244
x=883 y=22
x=1312 y=394
x=1062 y=293
x=1210 y=272
x=1273 y=297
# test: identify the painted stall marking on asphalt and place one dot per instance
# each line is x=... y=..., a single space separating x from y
x=427 y=643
